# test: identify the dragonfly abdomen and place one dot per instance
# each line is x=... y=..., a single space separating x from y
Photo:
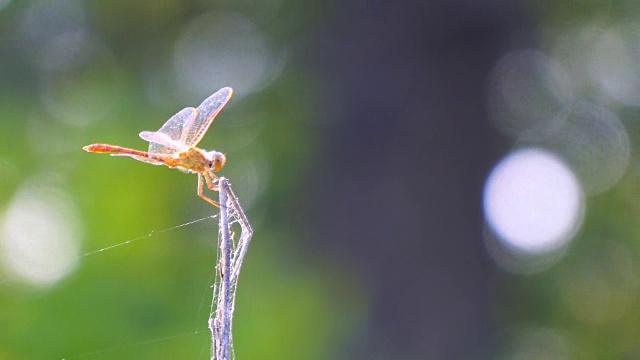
x=114 y=149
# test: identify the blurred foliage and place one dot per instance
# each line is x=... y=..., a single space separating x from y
x=79 y=72
x=150 y=298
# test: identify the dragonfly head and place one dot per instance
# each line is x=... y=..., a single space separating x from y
x=216 y=160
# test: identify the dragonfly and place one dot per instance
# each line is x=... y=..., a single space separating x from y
x=174 y=144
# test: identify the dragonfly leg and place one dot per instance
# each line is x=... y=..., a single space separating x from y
x=211 y=183
x=200 y=190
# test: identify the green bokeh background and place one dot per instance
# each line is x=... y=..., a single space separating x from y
x=149 y=297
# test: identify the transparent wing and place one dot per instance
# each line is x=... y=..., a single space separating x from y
x=172 y=132
x=143 y=159
x=160 y=138
x=195 y=129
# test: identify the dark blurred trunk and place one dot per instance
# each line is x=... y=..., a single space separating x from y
x=403 y=167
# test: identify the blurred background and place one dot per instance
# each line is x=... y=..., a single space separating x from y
x=426 y=179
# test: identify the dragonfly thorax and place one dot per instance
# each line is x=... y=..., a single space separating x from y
x=197 y=160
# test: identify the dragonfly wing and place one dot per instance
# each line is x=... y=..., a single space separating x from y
x=195 y=129
x=162 y=139
x=171 y=130
x=141 y=158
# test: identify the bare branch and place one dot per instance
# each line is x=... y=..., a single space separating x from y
x=228 y=269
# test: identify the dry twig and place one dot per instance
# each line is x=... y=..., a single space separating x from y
x=228 y=269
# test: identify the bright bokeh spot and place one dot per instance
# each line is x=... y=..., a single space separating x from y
x=535 y=99
x=594 y=143
x=528 y=93
x=533 y=202
x=43 y=21
x=39 y=238
x=78 y=78
x=601 y=59
x=80 y=81
x=573 y=47
x=614 y=64
x=219 y=49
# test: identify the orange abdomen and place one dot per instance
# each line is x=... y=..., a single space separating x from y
x=114 y=149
